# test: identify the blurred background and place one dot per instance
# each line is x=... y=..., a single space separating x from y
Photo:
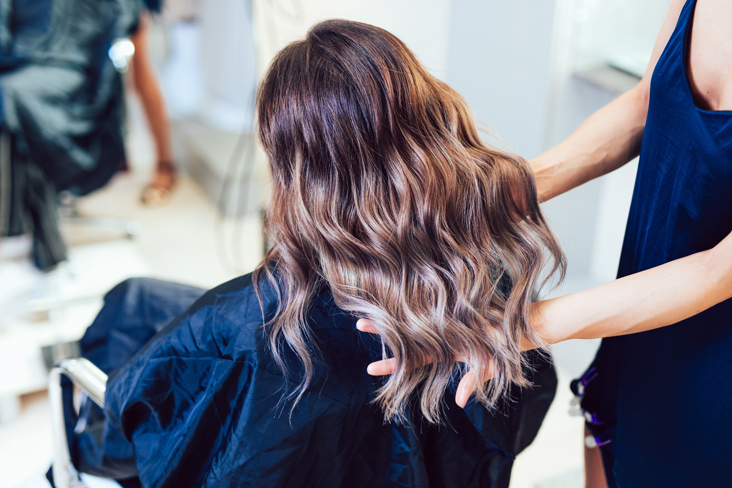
x=182 y=197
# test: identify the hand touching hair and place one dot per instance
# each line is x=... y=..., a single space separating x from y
x=383 y=191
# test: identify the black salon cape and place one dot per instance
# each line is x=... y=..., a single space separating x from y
x=201 y=404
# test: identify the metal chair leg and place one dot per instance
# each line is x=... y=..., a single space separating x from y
x=92 y=381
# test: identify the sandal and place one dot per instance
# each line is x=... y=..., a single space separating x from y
x=157 y=193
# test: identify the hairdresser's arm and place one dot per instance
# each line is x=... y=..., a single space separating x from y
x=606 y=141
x=644 y=301
x=609 y=138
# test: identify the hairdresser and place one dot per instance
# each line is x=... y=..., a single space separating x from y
x=660 y=399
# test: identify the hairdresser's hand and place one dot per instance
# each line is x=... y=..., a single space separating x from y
x=466 y=388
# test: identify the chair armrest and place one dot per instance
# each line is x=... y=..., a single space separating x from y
x=92 y=381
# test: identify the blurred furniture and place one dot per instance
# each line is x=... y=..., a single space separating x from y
x=45 y=312
x=62 y=110
x=78 y=228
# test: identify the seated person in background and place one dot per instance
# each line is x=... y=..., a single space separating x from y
x=385 y=204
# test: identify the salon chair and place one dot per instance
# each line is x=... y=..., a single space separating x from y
x=120 y=441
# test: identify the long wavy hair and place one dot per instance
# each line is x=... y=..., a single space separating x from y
x=383 y=191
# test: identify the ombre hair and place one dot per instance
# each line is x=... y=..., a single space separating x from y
x=383 y=191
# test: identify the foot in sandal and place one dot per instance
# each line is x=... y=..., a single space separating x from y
x=159 y=190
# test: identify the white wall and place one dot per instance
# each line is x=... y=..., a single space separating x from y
x=618 y=30
x=228 y=64
x=421 y=24
x=499 y=60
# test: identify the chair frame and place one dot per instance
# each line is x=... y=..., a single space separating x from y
x=91 y=381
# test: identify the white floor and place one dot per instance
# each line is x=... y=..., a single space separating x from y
x=554 y=460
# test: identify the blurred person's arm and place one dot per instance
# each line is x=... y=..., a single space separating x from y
x=609 y=138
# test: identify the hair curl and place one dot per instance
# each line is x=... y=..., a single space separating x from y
x=383 y=191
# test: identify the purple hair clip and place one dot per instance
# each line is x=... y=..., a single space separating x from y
x=592 y=441
x=591 y=418
x=589 y=375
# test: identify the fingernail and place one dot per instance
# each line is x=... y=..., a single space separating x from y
x=370 y=369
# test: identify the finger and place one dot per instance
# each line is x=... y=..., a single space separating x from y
x=365 y=325
x=465 y=389
x=468 y=384
x=388 y=366
x=382 y=368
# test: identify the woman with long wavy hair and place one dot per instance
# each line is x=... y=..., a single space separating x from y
x=384 y=193
x=385 y=205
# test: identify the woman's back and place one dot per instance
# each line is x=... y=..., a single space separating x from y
x=202 y=405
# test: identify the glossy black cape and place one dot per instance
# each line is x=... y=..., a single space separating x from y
x=201 y=404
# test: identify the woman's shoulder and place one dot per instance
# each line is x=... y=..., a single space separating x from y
x=229 y=320
x=225 y=322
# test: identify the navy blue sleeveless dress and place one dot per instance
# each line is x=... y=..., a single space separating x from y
x=661 y=401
